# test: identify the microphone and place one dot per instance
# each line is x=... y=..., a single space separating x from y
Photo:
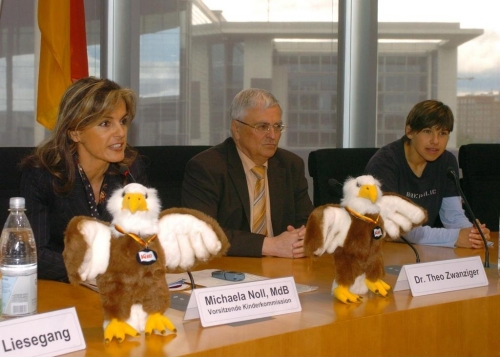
x=334 y=183
x=453 y=175
x=124 y=170
x=335 y=188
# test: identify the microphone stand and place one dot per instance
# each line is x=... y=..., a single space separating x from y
x=412 y=247
x=193 y=286
x=474 y=220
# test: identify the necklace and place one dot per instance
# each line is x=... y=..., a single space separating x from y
x=145 y=256
x=361 y=217
x=377 y=232
x=136 y=237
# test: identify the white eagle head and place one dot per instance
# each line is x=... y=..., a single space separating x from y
x=362 y=194
x=135 y=208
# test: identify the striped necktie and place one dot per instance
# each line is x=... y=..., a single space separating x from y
x=259 y=224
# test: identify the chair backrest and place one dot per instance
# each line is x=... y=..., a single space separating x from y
x=480 y=164
x=165 y=167
x=328 y=165
x=10 y=176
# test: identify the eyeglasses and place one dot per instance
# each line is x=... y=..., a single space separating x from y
x=265 y=127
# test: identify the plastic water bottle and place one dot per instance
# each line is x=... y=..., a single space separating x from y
x=18 y=263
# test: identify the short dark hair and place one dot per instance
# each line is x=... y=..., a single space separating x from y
x=430 y=113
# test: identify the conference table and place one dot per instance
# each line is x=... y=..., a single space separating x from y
x=458 y=323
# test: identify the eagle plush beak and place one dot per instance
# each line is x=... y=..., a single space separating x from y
x=369 y=192
x=134 y=202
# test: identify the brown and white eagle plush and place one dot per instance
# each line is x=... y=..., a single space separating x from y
x=130 y=257
x=353 y=232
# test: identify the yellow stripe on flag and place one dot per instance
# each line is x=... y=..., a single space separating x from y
x=57 y=54
x=54 y=74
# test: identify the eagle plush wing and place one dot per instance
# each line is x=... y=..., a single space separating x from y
x=327 y=228
x=188 y=237
x=400 y=214
x=86 y=248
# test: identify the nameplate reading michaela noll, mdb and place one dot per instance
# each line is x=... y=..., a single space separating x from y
x=244 y=301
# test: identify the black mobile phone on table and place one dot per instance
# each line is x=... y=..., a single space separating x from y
x=228 y=275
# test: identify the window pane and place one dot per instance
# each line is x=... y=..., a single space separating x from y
x=194 y=56
x=18 y=81
x=458 y=65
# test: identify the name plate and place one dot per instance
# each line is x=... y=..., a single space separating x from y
x=442 y=276
x=49 y=334
x=244 y=301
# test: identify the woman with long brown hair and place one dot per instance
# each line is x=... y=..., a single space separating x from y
x=78 y=167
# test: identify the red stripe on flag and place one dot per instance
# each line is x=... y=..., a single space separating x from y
x=78 y=41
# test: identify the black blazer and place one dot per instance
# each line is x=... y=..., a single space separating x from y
x=215 y=183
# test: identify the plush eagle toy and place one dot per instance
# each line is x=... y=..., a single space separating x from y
x=353 y=233
x=129 y=257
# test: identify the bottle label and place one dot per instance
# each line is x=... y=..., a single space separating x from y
x=19 y=294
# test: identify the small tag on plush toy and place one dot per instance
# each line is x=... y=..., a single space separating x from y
x=377 y=233
x=146 y=256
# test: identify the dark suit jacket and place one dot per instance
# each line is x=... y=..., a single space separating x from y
x=215 y=183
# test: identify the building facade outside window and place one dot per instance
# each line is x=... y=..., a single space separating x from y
x=194 y=56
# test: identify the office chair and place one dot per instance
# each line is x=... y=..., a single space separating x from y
x=329 y=168
x=480 y=164
x=10 y=176
x=165 y=167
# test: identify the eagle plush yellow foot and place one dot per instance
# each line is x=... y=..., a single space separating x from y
x=118 y=329
x=159 y=323
x=342 y=293
x=378 y=287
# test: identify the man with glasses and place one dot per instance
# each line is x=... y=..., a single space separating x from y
x=256 y=191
